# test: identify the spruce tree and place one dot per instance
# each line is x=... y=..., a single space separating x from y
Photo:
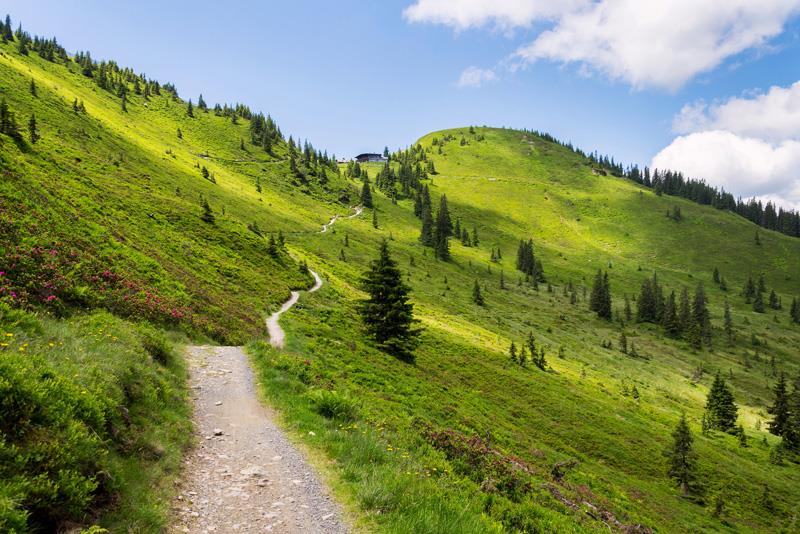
x=442 y=231
x=600 y=299
x=387 y=313
x=366 y=194
x=720 y=405
x=208 y=215
x=682 y=458
x=669 y=317
x=758 y=302
x=33 y=132
x=477 y=297
x=700 y=329
x=190 y=109
x=780 y=408
x=512 y=352
x=623 y=343
x=728 y=322
x=33 y=88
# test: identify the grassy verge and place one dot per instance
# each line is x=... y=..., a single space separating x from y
x=93 y=422
x=400 y=473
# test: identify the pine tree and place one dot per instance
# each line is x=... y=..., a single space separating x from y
x=700 y=329
x=366 y=193
x=124 y=103
x=669 y=319
x=387 y=314
x=33 y=89
x=474 y=236
x=623 y=343
x=190 y=109
x=512 y=352
x=780 y=408
x=600 y=299
x=442 y=231
x=33 y=133
x=728 y=322
x=720 y=405
x=758 y=302
x=477 y=298
x=208 y=215
x=682 y=458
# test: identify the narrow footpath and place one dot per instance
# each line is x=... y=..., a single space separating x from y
x=244 y=475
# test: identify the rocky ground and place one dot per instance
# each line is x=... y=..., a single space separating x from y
x=244 y=475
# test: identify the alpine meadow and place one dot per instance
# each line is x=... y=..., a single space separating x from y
x=488 y=330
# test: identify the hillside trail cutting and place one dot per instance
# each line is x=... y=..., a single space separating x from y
x=245 y=475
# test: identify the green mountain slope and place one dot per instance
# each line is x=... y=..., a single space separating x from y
x=512 y=185
x=104 y=213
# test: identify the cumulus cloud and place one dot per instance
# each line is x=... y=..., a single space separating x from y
x=475 y=77
x=773 y=115
x=654 y=43
x=749 y=146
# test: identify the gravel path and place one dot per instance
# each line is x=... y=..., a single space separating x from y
x=244 y=475
x=277 y=337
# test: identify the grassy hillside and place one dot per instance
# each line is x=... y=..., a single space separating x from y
x=102 y=230
x=511 y=186
x=102 y=235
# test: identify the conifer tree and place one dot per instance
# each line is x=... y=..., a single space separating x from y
x=728 y=322
x=700 y=330
x=366 y=193
x=33 y=89
x=426 y=234
x=208 y=215
x=600 y=299
x=33 y=132
x=780 y=408
x=721 y=409
x=682 y=457
x=123 y=103
x=758 y=302
x=477 y=297
x=669 y=319
x=794 y=312
x=442 y=231
x=512 y=352
x=190 y=109
x=684 y=311
x=387 y=313
x=502 y=280
x=374 y=218
x=623 y=343
x=474 y=236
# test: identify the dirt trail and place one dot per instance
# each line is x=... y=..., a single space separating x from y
x=244 y=475
x=277 y=337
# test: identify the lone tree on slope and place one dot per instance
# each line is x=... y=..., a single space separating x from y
x=387 y=314
x=682 y=458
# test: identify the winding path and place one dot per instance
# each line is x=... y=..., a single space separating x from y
x=277 y=337
x=244 y=475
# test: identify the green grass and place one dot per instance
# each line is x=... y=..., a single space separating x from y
x=512 y=186
x=93 y=427
x=120 y=193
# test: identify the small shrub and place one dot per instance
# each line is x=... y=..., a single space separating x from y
x=334 y=405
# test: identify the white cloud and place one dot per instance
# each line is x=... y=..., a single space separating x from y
x=749 y=146
x=653 y=43
x=504 y=14
x=475 y=77
x=774 y=115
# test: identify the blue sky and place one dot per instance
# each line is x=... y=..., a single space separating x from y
x=355 y=76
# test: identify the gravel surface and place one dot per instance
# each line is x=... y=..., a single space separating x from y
x=244 y=475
